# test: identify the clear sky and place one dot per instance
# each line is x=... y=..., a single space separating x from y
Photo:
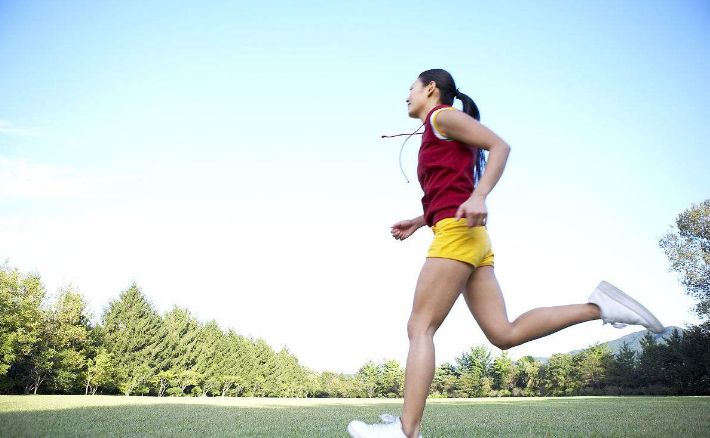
x=227 y=157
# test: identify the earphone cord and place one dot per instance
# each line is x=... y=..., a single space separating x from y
x=402 y=148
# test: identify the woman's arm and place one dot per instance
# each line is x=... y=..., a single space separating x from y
x=403 y=229
x=460 y=126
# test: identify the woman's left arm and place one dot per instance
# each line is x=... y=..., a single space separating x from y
x=460 y=126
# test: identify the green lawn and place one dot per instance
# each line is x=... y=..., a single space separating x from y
x=534 y=417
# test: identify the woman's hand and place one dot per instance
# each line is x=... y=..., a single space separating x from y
x=474 y=210
x=403 y=229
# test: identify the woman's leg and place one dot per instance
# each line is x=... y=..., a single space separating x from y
x=485 y=300
x=439 y=285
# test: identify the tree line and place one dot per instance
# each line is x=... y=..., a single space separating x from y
x=52 y=347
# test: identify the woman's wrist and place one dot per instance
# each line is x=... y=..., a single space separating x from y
x=420 y=221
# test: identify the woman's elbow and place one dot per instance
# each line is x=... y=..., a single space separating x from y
x=503 y=147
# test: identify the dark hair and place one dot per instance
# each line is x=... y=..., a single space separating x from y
x=448 y=91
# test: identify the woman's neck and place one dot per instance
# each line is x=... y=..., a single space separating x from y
x=427 y=109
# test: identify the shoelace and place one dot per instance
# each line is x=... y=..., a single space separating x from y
x=388 y=418
x=616 y=324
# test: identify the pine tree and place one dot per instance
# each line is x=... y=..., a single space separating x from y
x=132 y=332
x=178 y=346
x=208 y=357
x=245 y=363
x=623 y=370
x=696 y=349
x=265 y=367
x=651 y=372
x=675 y=363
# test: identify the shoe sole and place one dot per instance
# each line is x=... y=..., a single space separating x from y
x=619 y=296
x=353 y=434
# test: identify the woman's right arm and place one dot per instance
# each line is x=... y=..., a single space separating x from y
x=403 y=229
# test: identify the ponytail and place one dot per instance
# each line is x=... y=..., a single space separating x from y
x=469 y=106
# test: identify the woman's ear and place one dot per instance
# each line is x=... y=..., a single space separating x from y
x=430 y=87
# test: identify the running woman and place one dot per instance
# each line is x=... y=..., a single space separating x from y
x=460 y=259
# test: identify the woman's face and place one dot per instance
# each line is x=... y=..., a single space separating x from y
x=418 y=96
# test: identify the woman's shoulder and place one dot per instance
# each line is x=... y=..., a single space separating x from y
x=436 y=128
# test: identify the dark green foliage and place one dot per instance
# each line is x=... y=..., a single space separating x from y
x=591 y=366
x=132 y=332
x=695 y=347
x=527 y=376
x=52 y=348
x=558 y=375
x=446 y=381
x=623 y=370
x=474 y=367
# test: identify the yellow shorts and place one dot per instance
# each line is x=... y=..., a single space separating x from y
x=453 y=239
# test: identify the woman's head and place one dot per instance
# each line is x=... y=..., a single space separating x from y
x=434 y=87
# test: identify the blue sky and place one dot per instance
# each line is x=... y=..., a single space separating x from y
x=227 y=157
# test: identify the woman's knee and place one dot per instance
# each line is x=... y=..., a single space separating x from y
x=503 y=339
x=418 y=327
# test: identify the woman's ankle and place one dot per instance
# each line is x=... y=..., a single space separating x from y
x=411 y=431
x=594 y=311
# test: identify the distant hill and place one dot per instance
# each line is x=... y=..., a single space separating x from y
x=632 y=339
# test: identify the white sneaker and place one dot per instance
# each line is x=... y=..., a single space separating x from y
x=619 y=309
x=391 y=428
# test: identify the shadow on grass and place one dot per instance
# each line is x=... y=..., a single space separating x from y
x=147 y=419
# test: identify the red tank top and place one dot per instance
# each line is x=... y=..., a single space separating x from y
x=445 y=172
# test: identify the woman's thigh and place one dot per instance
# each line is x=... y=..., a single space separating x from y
x=440 y=282
x=485 y=301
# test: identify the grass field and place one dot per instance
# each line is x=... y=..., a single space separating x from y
x=533 y=417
